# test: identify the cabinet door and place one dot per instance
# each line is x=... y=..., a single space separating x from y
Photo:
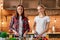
x=10 y=4
x=59 y=3
x=50 y=4
x=30 y=3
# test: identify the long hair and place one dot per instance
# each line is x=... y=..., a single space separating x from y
x=22 y=14
x=43 y=8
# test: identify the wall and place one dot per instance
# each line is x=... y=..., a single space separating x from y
x=31 y=18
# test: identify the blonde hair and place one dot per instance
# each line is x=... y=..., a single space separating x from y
x=41 y=5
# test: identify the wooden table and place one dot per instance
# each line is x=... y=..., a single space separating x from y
x=54 y=36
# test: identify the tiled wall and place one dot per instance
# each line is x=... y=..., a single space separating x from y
x=31 y=18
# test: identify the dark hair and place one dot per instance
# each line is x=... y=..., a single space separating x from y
x=17 y=15
x=43 y=8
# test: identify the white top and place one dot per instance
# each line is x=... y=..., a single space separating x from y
x=41 y=24
x=20 y=26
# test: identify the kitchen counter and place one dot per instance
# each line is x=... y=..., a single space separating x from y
x=54 y=36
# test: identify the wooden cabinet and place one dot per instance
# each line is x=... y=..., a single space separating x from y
x=28 y=4
x=51 y=4
x=31 y=4
x=10 y=4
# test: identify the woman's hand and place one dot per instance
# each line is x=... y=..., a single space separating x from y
x=39 y=36
x=15 y=33
x=24 y=35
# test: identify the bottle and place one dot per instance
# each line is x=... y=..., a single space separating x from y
x=47 y=36
x=53 y=29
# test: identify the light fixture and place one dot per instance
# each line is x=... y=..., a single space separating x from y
x=55 y=20
x=2 y=23
x=29 y=21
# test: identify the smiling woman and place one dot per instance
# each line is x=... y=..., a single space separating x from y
x=19 y=23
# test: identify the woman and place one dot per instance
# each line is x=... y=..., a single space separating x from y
x=41 y=22
x=19 y=23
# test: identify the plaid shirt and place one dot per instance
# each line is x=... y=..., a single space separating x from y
x=14 y=24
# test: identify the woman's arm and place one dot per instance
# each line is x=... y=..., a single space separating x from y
x=47 y=27
x=11 y=25
x=27 y=27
